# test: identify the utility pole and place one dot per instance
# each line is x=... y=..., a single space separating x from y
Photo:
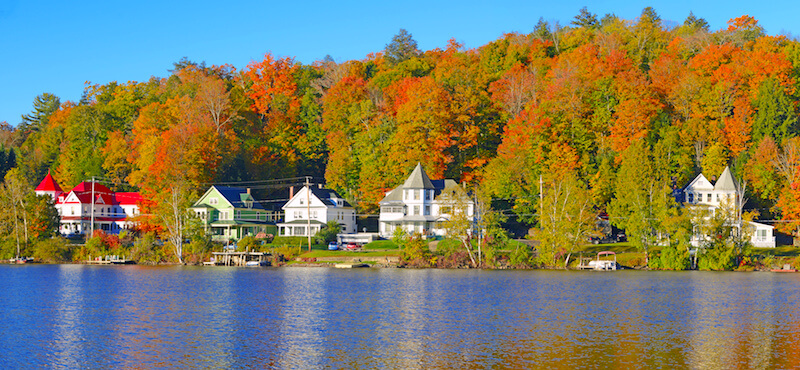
x=541 y=200
x=308 y=212
x=91 y=226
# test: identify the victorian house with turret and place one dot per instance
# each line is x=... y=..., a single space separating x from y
x=418 y=207
x=91 y=206
x=723 y=195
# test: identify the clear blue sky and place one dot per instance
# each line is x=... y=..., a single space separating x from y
x=55 y=46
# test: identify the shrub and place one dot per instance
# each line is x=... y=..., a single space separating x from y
x=521 y=257
x=290 y=240
x=146 y=251
x=52 y=250
x=248 y=243
x=417 y=254
x=285 y=253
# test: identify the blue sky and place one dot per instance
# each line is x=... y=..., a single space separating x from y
x=56 y=46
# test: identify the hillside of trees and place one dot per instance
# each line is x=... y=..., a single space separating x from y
x=603 y=114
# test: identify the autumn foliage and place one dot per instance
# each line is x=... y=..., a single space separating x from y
x=560 y=101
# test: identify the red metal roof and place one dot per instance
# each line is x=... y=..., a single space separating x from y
x=128 y=198
x=48 y=184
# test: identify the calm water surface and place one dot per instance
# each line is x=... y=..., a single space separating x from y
x=74 y=316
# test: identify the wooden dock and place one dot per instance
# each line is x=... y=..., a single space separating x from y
x=237 y=258
x=110 y=260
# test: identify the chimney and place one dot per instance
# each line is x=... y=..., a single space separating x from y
x=319 y=185
x=291 y=192
x=248 y=191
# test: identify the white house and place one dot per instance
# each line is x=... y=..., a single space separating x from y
x=701 y=192
x=416 y=206
x=315 y=207
x=111 y=212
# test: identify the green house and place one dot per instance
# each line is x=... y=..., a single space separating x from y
x=230 y=213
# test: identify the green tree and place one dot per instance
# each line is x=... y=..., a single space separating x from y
x=585 y=19
x=402 y=47
x=44 y=106
x=641 y=199
x=776 y=113
x=329 y=232
x=567 y=218
x=695 y=23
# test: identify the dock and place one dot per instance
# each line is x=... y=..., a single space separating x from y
x=110 y=260
x=231 y=258
x=350 y=265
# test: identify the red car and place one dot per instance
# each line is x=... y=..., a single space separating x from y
x=352 y=246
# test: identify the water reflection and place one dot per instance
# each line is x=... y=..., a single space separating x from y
x=184 y=317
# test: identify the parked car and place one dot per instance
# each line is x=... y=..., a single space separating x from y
x=332 y=246
x=352 y=246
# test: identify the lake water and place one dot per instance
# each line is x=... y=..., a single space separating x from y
x=75 y=316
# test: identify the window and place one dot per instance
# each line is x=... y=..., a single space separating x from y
x=708 y=198
x=691 y=197
x=416 y=210
x=213 y=201
x=427 y=194
x=445 y=210
x=302 y=201
x=427 y=210
x=416 y=194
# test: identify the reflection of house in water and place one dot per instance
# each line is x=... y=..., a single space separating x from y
x=715 y=197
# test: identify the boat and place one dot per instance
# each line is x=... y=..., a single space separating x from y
x=601 y=264
x=256 y=263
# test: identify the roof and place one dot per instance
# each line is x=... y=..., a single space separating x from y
x=131 y=198
x=726 y=181
x=83 y=191
x=327 y=197
x=49 y=184
x=302 y=222
x=237 y=196
x=418 y=179
x=396 y=195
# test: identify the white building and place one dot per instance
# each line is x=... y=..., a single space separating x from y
x=702 y=193
x=416 y=206
x=315 y=207
x=111 y=212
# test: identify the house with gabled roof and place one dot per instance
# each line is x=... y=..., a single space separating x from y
x=416 y=206
x=231 y=213
x=311 y=208
x=91 y=202
x=725 y=192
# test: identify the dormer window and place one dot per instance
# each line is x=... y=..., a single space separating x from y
x=248 y=204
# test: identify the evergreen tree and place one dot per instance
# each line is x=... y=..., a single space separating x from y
x=585 y=19
x=44 y=105
x=402 y=47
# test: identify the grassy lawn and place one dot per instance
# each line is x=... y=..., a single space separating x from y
x=782 y=251
x=381 y=244
x=327 y=253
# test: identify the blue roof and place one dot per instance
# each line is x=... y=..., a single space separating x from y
x=237 y=197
